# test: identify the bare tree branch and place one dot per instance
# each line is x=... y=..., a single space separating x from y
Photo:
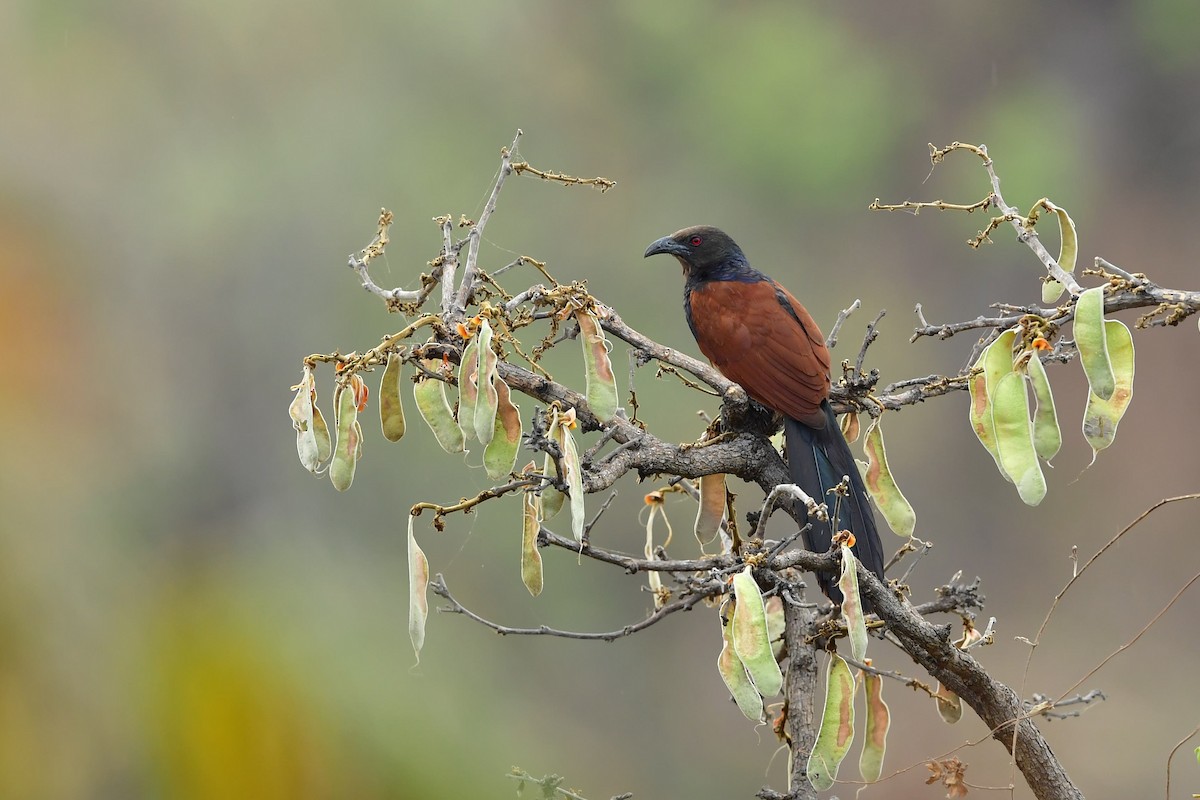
x=438 y=587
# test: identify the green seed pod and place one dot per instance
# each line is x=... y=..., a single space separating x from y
x=1101 y=417
x=981 y=416
x=321 y=432
x=997 y=359
x=1067 y=252
x=896 y=510
x=879 y=720
x=751 y=640
x=852 y=610
x=486 y=400
x=1092 y=342
x=391 y=411
x=552 y=499
x=837 y=726
x=346 y=450
x=1014 y=438
x=1047 y=437
x=733 y=672
x=601 y=385
x=430 y=394
x=468 y=392
x=501 y=452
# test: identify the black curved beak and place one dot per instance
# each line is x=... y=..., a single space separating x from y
x=665 y=245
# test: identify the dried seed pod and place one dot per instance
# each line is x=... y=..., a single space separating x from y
x=418 y=591
x=531 y=559
x=561 y=433
x=711 y=511
x=303 y=412
x=949 y=705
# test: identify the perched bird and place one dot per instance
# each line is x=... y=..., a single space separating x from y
x=759 y=336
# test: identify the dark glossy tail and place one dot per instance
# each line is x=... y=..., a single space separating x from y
x=817 y=460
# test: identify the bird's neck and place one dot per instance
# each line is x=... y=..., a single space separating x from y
x=730 y=269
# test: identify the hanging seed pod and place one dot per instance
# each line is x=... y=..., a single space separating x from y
x=349 y=439
x=391 y=411
x=1101 y=417
x=430 y=394
x=1014 y=438
x=837 y=726
x=711 y=511
x=852 y=610
x=501 y=452
x=879 y=720
x=949 y=705
x=552 y=499
x=1067 y=252
x=751 y=640
x=531 y=559
x=896 y=510
x=1092 y=342
x=561 y=432
x=600 y=383
x=468 y=392
x=302 y=411
x=321 y=432
x=1047 y=437
x=418 y=591
x=487 y=398
x=733 y=672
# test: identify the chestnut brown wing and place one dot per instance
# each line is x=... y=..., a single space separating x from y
x=759 y=336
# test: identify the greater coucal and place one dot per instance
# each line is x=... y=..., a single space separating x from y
x=760 y=337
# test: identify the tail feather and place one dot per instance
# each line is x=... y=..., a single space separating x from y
x=817 y=460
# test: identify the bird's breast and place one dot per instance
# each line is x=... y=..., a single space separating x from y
x=760 y=337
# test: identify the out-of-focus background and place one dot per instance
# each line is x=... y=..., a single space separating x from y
x=185 y=613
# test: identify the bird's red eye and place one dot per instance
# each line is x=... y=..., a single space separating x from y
x=696 y=240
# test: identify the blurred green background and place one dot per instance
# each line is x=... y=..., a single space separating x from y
x=185 y=613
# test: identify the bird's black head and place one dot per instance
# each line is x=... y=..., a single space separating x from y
x=706 y=253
